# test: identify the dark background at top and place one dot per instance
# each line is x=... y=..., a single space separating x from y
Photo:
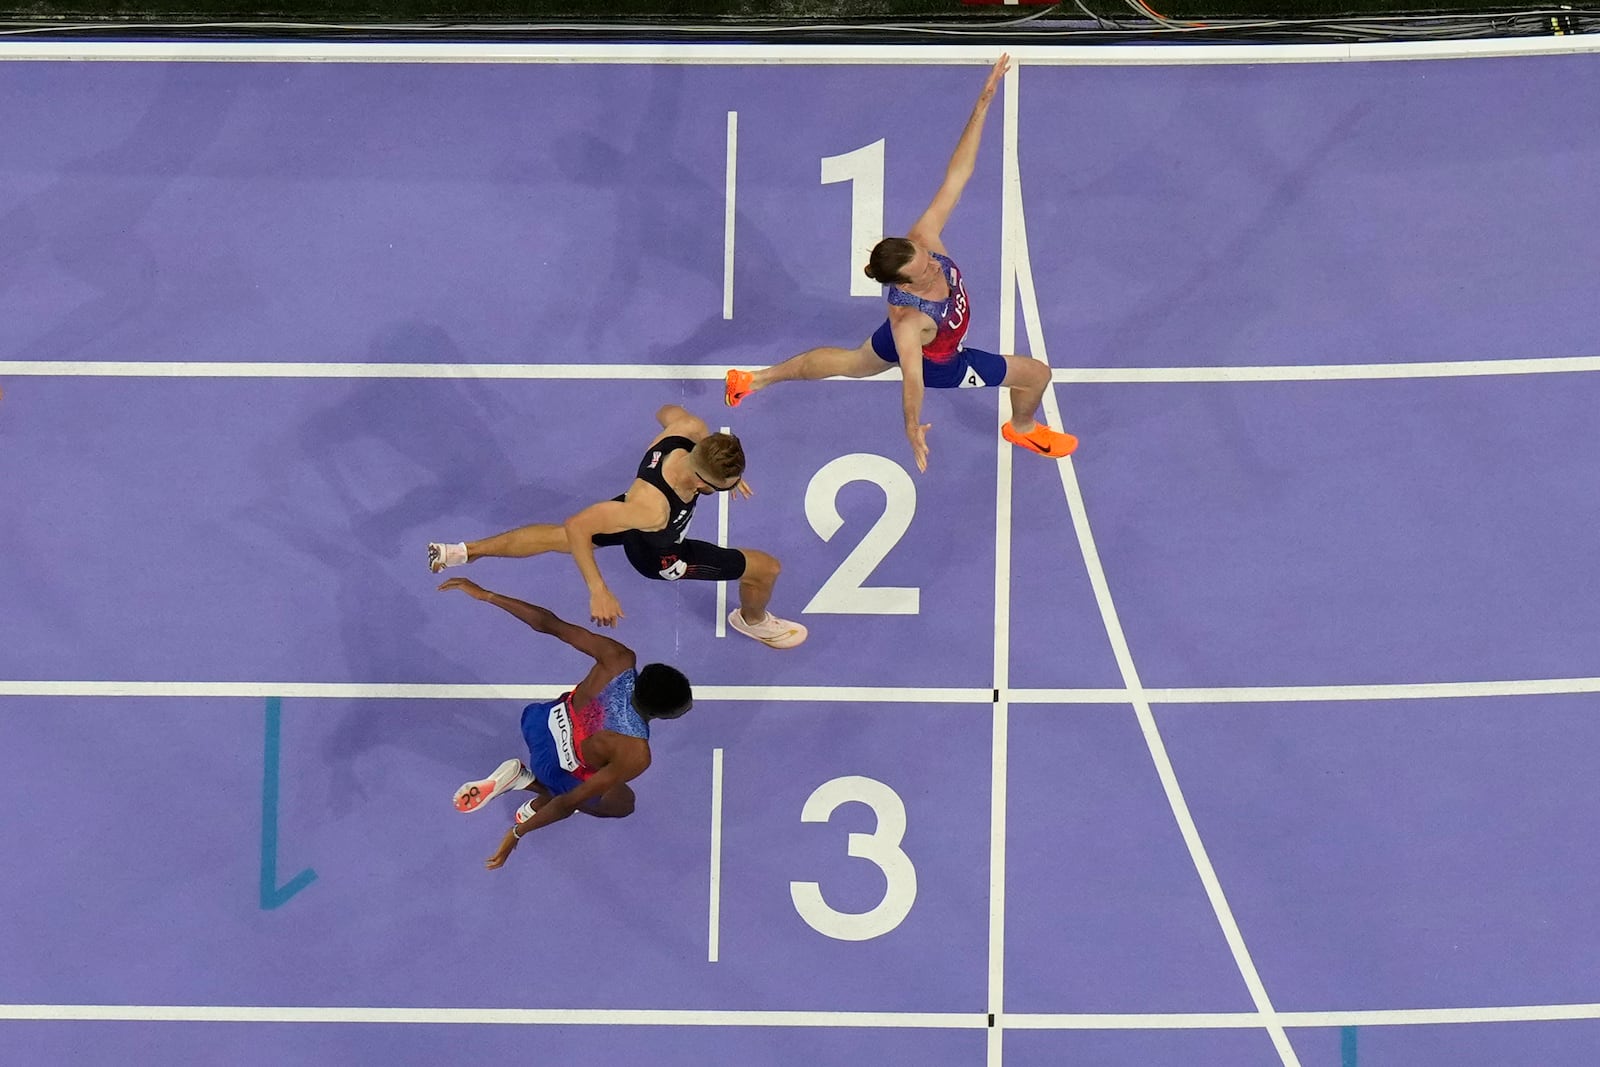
x=756 y=19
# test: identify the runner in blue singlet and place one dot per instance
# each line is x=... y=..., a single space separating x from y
x=585 y=746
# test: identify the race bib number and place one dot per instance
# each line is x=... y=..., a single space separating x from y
x=561 y=731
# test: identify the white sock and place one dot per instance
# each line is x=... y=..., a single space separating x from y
x=512 y=774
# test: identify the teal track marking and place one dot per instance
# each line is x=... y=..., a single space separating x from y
x=1347 y=1047
x=272 y=895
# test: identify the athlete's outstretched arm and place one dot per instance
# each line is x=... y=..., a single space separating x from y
x=908 y=345
x=931 y=224
x=619 y=768
x=600 y=649
x=609 y=516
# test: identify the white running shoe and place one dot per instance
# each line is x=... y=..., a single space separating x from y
x=771 y=631
x=442 y=556
x=508 y=776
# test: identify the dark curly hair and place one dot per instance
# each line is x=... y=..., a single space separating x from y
x=661 y=692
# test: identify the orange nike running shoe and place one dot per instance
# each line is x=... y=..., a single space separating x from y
x=736 y=386
x=1042 y=439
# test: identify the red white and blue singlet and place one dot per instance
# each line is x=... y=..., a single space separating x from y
x=947 y=363
x=555 y=731
x=950 y=314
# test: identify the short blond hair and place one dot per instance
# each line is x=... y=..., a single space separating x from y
x=721 y=456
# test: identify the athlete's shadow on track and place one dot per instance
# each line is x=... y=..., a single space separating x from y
x=779 y=304
x=90 y=225
x=333 y=502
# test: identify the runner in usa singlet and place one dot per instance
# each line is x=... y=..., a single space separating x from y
x=949 y=314
x=926 y=330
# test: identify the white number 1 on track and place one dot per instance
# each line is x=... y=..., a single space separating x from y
x=863 y=169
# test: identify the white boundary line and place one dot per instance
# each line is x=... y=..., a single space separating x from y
x=1124 y=655
x=508 y=691
x=1533 y=1013
x=1000 y=731
x=728 y=200
x=1244 y=1020
x=798 y=54
x=1285 y=694
x=714 y=941
x=705 y=372
x=722 y=542
x=1267 y=694
x=1325 y=372
x=1134 y=692
x=493 y=1016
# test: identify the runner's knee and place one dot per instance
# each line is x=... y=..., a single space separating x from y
x=760 y=567
x=1027 y=373
x=615 y=803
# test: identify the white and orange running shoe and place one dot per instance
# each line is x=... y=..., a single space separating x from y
x=512 y=774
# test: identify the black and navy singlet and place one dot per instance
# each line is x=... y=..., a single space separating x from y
x=680 y=511
x=667 y=554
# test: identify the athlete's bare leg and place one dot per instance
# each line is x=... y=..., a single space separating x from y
x=826 y=362
x=755 y=588
x=614 y=803
x=751 y=617
x=1027 y=379
x=520 y=543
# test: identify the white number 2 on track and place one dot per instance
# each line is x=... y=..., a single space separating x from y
x=843 y=593
x=881 y=847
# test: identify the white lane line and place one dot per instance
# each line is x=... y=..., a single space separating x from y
x=1124 y=656
x=1532 y=1013
x=1283 y=694
x=1288 y=694
x=1243 y=1020
x=701 y=372
x=488 y=371
x=727 y=215
x=17 y=47
x=493 y=1016
x=1327 y=372
x=1000 y=731
x=508 y=691
x=714 y=941
x=722 y=542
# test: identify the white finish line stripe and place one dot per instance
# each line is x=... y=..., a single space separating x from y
x=1325 y=372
